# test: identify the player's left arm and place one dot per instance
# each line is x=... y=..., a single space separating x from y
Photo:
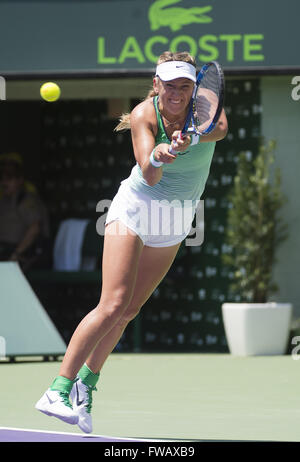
x=219 y=132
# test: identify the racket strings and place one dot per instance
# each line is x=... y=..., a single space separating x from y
x=207 y=99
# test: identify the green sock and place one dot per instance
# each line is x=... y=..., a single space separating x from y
x=61 y=383
x=87 y=376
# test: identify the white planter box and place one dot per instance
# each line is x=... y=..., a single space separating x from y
x=257 y=328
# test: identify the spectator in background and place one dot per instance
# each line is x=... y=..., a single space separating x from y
x=24 y=230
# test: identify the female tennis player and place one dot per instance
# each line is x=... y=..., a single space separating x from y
x=140 y=243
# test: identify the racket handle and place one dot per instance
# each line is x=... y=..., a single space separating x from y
x=172 y=151
x=179 y=137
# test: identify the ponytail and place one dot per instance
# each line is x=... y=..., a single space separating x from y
x=124 y=121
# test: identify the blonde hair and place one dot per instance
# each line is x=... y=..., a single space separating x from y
x=124 y=121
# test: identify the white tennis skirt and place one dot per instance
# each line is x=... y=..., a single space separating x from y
x=157 y=223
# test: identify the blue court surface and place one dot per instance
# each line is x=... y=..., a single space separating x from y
x=38 y=436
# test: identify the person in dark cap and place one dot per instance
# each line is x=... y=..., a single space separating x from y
x=23 y=217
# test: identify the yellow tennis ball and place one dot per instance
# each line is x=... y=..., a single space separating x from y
x=50 y=91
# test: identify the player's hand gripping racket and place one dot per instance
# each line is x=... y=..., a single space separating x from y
x=206 y=103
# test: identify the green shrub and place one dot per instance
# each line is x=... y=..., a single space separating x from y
x=255 y=228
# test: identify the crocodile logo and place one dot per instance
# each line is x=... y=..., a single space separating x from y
x=176 y=17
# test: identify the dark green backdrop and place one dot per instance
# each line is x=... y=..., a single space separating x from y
x=101 y=35
x=73 y=156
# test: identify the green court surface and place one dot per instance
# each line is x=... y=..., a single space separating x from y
x=171 y=396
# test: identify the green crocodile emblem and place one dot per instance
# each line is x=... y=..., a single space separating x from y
x=176 y=17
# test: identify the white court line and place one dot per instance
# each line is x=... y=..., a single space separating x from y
x=83 y=435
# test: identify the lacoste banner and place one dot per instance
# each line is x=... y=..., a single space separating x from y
x=83 y=35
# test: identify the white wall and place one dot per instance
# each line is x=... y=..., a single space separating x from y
x=281 y=122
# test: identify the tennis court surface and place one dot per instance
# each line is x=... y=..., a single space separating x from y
x=175 y=397
x=38 y=436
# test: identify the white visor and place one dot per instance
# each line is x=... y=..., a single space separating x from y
x=171 y=70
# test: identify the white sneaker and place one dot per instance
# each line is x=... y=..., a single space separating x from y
x=56 y=403
x=81 y=396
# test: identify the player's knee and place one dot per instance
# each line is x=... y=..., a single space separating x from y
x=115 y=306
x=129 y=315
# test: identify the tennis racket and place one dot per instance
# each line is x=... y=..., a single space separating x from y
x=206 y=103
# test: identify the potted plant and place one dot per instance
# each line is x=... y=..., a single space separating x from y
x=256 y=325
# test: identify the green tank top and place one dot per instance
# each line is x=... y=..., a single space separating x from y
x=184 y=179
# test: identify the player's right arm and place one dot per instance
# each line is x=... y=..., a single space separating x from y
x=143 y=125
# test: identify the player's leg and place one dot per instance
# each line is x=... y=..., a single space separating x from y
x=153 y=266
x=154 y=263
x=121 y=254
